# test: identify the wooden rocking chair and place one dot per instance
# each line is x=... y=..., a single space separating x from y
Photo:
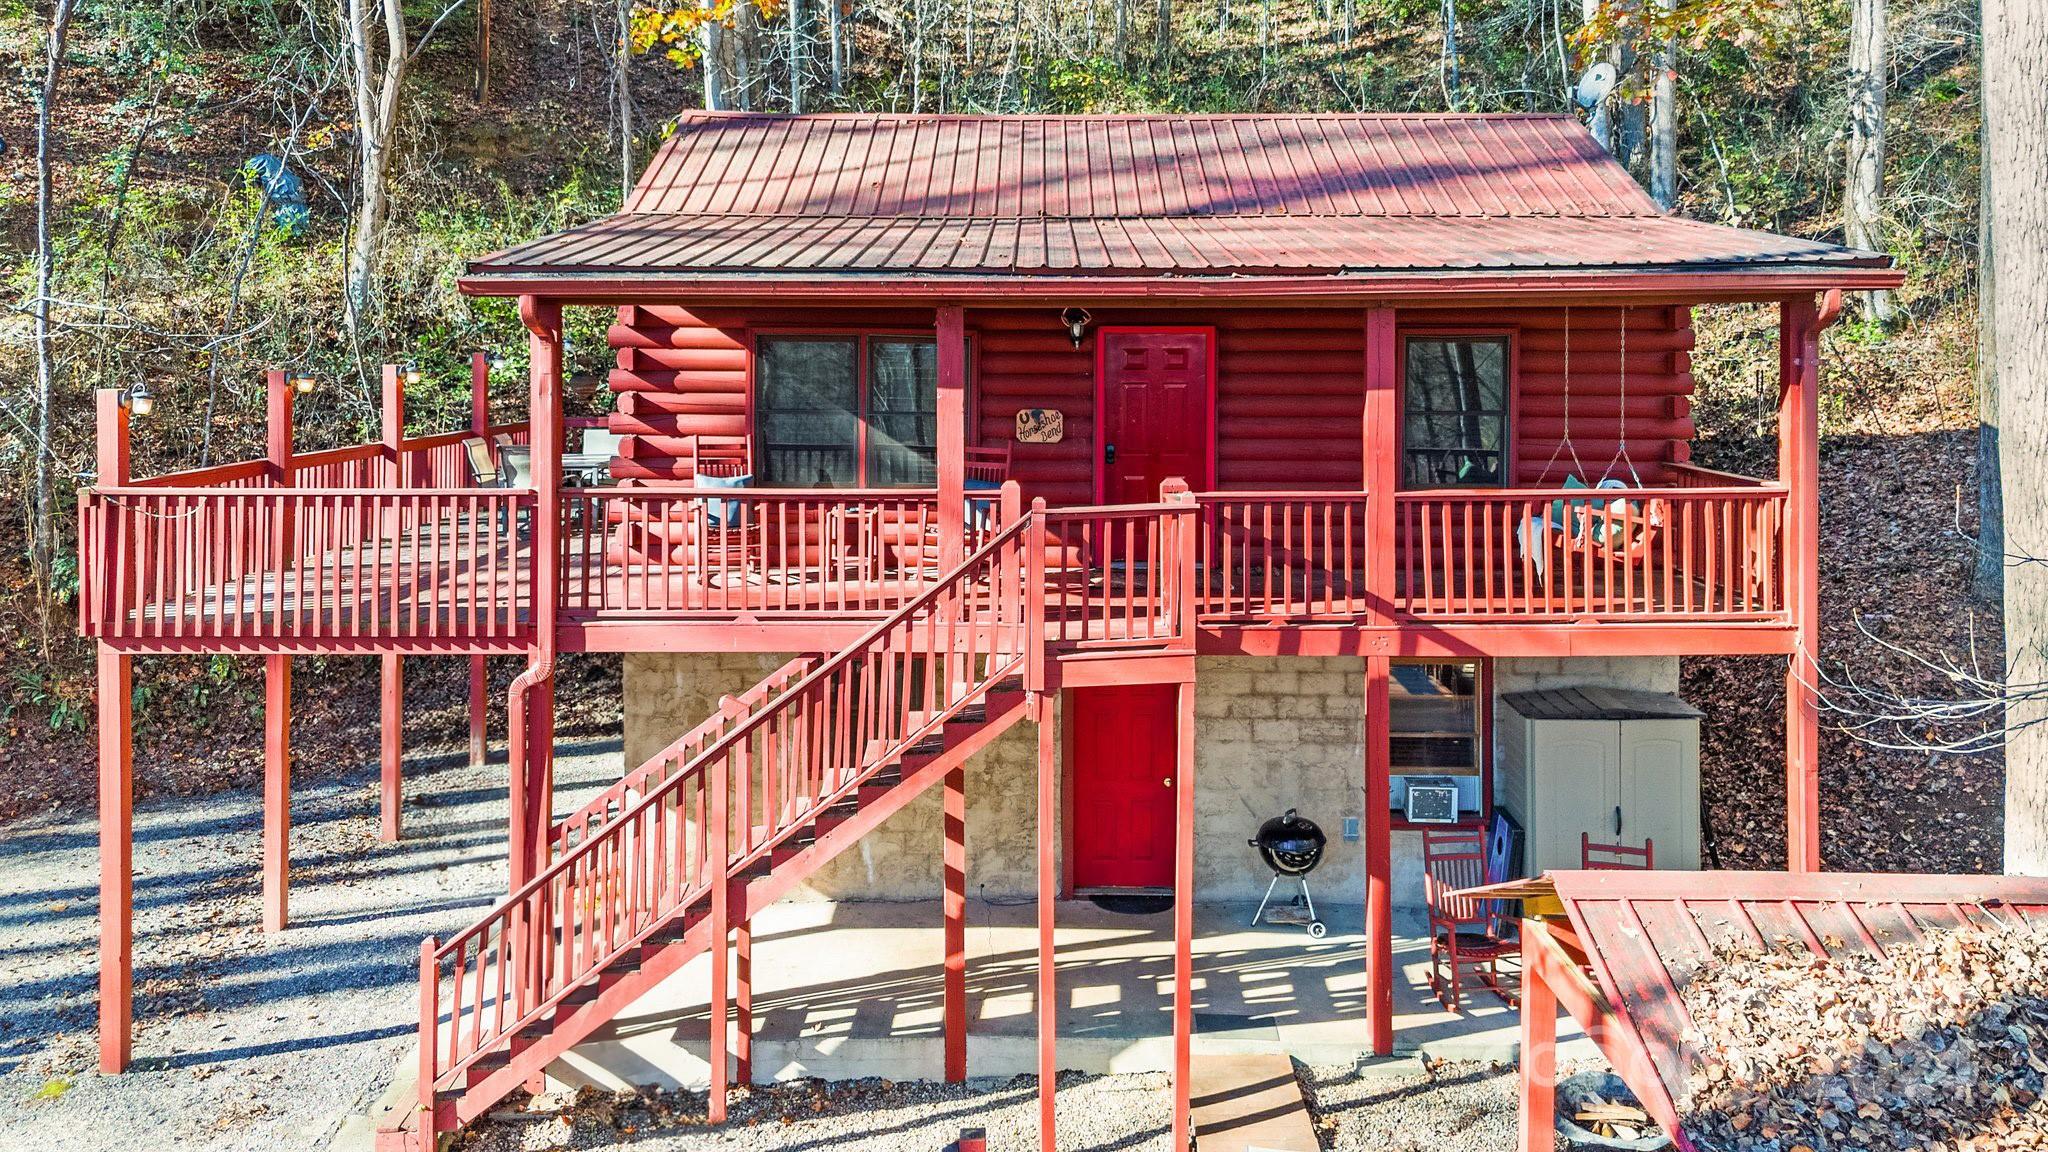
x=1467 y=936
x=1616 y=857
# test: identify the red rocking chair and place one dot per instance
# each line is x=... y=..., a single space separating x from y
x=1467 y=936
x=1616 y=857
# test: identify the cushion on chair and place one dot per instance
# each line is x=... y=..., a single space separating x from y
x=720 y=512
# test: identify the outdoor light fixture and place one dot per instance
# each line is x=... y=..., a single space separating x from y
x=1076 y=321
x=410 y=373
x=139 y=400
x=304 y=383
x=494 y=362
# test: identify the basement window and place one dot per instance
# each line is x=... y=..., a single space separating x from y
x=1454 y=426
x=846 y=411
x=1436 y=729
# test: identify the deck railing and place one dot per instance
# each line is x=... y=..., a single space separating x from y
x=1117 y=575
x=1272 y=557
x=291 y=564
x=678 y=551
x=1669 y=553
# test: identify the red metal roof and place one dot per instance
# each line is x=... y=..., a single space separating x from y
x=1646 y=934
x=873 y=197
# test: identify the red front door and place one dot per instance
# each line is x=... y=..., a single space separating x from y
x=1123 y=774
x=1155 y=412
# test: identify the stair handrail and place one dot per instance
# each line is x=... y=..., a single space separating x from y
x=528 y=988
x=611 y=803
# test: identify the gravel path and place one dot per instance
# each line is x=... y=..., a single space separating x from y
x=244 y=1041
x=1395 y=1107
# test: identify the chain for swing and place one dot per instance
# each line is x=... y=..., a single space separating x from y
x=1621 y=455
x=1564 y=443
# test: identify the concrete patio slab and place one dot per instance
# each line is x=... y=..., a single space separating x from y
x=852 y=989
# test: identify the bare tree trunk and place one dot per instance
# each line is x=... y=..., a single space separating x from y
x=717 y=80
x=1449 y=77
x=1664 y=124
x=1162 y=45
x=42 y=543
x=1601 y=122
x=796 y=56
x=623 y=86
x=377 y=121
x=1990 y=576
x=2016 y=154
x=1863 y=201
x=1120 y=32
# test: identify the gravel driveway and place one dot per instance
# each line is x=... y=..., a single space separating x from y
x=243 y=1041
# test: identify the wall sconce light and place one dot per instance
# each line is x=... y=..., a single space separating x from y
x=304 y=383
x=410 y=373
x=494 y=362
x=1076 y=321
x=139 y=400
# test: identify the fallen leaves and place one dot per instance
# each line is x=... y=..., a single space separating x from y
x=1938 y=1044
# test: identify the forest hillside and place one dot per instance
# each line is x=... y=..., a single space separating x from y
x=173 y=261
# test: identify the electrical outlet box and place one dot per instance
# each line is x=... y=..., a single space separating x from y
x=1351 y=831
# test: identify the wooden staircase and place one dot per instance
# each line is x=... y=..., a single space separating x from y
x=727 y=820
x=724 y=822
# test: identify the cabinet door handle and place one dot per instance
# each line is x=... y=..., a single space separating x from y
x=1617 y=819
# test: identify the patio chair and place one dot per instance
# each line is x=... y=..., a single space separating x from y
x=484 y=469
x=985 y=471
x=1616 y=857
x=1467 y=936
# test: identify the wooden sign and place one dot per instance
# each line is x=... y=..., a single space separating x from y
x=1041 y=426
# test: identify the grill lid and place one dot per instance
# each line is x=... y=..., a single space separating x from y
x=1290 y=844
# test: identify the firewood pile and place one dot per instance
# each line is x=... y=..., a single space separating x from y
x=1936 y=1044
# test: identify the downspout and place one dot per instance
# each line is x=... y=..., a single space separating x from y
x=543 y=321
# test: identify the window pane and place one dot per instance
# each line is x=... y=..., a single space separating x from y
x=807 y=413
x=903 y=421
x=1455 y=426
x=1433 y=717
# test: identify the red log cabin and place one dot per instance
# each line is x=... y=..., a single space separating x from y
x=1037 y=500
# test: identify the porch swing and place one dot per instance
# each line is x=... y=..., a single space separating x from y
x=1619 y=531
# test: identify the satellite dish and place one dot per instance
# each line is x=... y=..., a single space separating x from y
x=1594 y=85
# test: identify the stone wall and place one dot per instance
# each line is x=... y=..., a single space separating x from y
x=1270 y=734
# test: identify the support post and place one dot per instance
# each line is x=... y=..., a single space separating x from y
x=531 y=700
x=117 y=856
x=1381 y=469
x=1537 y=1124
x=479 y=672
x=1799 y=470
x=1048 y=894
x=955 y=910
x=1379 y=901
x=277 y=791
x=952 y=432
x=743 y=1001
x=1183 y=915
x=391 y=717
x=718 y=842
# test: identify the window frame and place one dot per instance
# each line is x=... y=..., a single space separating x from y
x=1509 y=416
x=860 y=338
x=1483 y=722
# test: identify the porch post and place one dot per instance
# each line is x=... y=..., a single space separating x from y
x=1799 y=470
x=277 y=691
x=530 y=727
x=1048 y=894
x=116 y=723
x=392 y=674
x=1183 y=911
x=479 y=678
x=954 y=900
x=952 y=431
x=117 y=858
x=1381 y=468
x=1537 y=1123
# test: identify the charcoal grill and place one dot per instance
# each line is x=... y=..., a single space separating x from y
x=1292 y=846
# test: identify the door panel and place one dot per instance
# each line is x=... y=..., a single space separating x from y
x=1123 y=742
x=1654 y=789
x=1582 y=774
x=1155 y=420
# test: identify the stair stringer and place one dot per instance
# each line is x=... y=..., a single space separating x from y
x=622 y=984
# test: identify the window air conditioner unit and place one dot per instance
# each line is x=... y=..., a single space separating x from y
x=1432 y=800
